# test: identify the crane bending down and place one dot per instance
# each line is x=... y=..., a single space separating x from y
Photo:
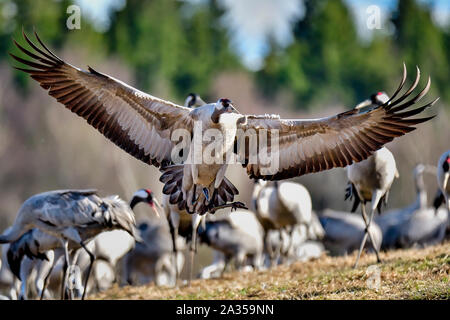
x=150 y=129
x=75 y=216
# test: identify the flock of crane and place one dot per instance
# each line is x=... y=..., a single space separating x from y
x=69 y=243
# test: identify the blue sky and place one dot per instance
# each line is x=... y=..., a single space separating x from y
x=250 y=28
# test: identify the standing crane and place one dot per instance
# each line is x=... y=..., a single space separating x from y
x=150 y=129
x=371 y=180
x=75 y=216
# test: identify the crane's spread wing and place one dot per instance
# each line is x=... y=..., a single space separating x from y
x=306 y=146
x=137 y=122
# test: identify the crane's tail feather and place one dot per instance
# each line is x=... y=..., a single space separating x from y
x=350 y=193
x=121 y=216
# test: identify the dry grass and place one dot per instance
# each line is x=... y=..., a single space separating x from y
x=405 y=274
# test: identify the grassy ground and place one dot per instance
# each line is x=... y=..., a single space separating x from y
x=404 y=274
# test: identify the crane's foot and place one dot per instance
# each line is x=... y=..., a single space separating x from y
x=233 y=205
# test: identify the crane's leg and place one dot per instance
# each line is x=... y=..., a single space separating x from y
x=65 y=244
x=45 y=267
x=363 y=242
x=174 y=223
x=45 y=285
x=275 y=253
x=92 y=257
x=376 y=198
x=196 y=219
x=25 y=270
x=367 y=222
x=240 y=260
x=269 y=249
x=290 y=232
x=233 y=205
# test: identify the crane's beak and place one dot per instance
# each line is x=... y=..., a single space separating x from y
x=157 y=204
x=363 y=104
x=233 y=109
x=152 y=205
x=446 y=178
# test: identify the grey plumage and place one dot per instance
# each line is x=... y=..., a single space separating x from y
x=392 y=221
x=55 y=211
x=238 y=235
x=371 y=180
x=283 y=205
x=72 y=216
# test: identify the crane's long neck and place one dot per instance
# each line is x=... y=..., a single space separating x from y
x=422 y=197
x=134 y=201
